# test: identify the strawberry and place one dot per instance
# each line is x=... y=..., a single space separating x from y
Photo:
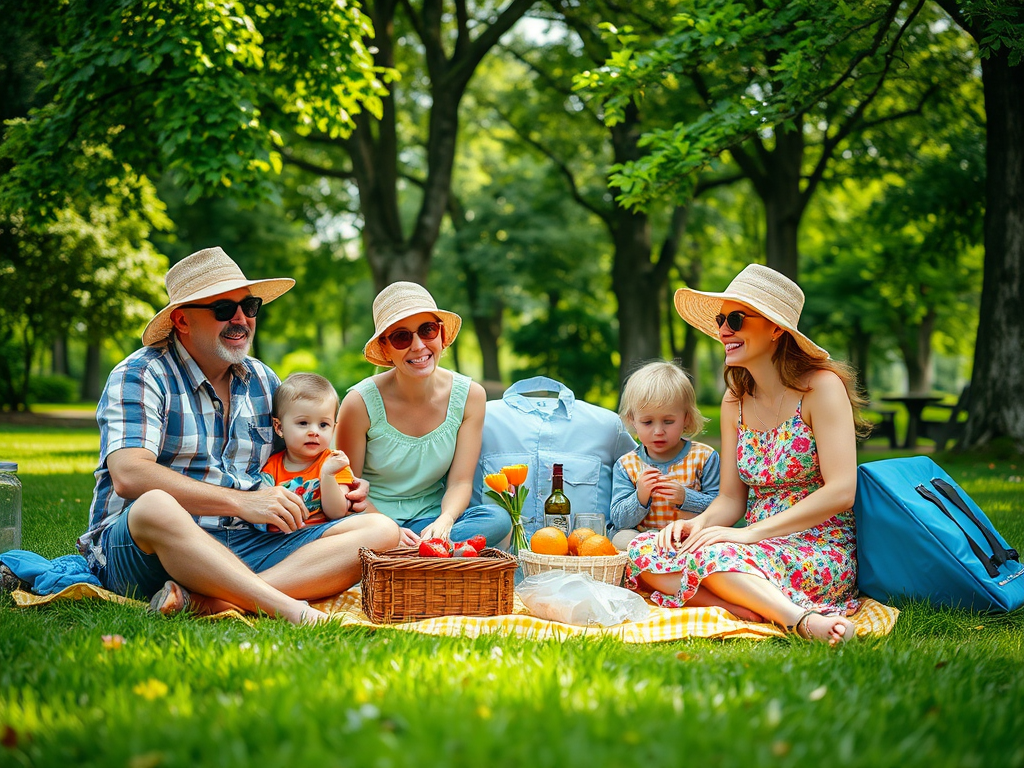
x=478 y=542
x=435 y=548
x=465 y=549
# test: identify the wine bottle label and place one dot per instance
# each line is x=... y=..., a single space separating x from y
x=561 y=522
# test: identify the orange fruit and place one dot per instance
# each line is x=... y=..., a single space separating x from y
x=549 y=541
x=597 y=545
x=577 y=537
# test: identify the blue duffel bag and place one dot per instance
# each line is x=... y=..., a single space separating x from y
x=919 y=536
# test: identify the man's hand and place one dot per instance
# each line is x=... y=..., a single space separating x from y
x=275 y=506
x=357 y=496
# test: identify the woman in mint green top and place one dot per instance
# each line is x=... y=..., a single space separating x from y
x=414 y=431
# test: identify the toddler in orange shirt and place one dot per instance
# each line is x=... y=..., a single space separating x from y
x=304 y=411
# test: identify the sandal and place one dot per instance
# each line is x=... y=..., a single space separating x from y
x=171 y=599
x=9 y=582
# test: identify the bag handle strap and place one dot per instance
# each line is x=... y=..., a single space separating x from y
x=1000 y=554
x=991 y=568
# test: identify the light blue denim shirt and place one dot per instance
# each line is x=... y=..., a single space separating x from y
x=540 y=431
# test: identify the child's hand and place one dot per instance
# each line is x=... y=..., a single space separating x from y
x=672 y=490
x=337 y=462
x=646 y=484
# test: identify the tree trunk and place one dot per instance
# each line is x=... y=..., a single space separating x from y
x=92 y=386
x=916 y=346
x=860 y=357
x=783 y=201
x=487 y=325
x=637 y=290
x=59 y=357
x=638 y=280
x=995 y=410
x=687 y=353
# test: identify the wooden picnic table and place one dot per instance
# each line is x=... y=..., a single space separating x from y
x=915 y=405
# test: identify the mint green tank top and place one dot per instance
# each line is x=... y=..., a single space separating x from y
x=407 y=474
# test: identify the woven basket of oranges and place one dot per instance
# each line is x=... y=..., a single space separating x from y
x=583 y=551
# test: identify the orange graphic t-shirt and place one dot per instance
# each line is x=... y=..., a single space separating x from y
x=305 y=483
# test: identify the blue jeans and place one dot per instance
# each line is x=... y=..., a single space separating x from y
x=132 y=572
x=489 y=520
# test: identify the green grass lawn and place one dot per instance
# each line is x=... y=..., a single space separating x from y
x=944 y=689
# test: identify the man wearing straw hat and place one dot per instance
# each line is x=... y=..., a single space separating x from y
x=185 y=427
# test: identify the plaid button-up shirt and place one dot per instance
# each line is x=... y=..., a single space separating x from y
x=159 y=399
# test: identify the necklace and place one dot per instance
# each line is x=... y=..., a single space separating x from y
x=770 y=450
x=778 y=413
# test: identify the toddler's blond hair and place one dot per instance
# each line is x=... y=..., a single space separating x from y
x=661 y=384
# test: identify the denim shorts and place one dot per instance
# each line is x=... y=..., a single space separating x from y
x=130 y=571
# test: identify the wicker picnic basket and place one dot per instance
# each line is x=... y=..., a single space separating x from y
x=606 y=568
x=399 y=585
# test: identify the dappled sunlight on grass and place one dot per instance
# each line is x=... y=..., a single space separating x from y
x=941 y=690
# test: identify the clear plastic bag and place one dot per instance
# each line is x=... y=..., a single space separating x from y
x=578 y=598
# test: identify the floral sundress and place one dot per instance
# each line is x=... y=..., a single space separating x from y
x=816 y=568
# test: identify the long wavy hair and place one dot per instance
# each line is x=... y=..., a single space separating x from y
x=792 y=365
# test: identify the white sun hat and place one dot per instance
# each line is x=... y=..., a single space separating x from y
x=397 y=302
x=761 y=288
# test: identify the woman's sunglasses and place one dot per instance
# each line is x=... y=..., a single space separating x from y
x=225 y=309
x=734 y=319
x=402 y=338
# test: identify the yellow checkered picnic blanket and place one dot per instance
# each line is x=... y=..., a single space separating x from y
x=662 y=624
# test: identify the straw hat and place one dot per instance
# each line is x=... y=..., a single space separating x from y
x=764 y=290
x=397 y=302
x=204 y=274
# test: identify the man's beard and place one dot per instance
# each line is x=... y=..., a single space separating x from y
x=231 y=354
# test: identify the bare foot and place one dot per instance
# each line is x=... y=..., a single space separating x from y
x=174 y=598
x=171 y=599
x=830 y=629
x=310 y=615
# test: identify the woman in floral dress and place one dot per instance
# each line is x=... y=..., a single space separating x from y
x=789 y=419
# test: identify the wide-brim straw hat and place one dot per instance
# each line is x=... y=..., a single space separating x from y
x=760 y=288
x=397 y=302
x=203 y=274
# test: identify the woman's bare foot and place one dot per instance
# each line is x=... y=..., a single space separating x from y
x=830 y=629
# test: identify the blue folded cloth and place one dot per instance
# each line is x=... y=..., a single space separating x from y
x=47 y=577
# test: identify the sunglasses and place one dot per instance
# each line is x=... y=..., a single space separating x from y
x=734 y=319
x=402 y=338
x=225 y=309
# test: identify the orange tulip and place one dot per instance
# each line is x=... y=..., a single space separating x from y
x=497 y=482
x=516 y=474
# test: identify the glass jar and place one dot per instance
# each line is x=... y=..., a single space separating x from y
x=10 y=506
